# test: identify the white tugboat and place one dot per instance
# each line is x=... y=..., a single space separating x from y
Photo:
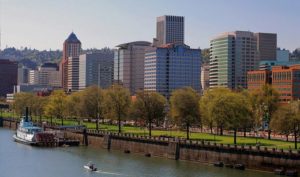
x=26 y=132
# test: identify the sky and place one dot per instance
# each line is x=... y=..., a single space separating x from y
x=45 y=24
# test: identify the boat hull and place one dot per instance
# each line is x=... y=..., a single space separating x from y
x=23 y=141
x=88 y=168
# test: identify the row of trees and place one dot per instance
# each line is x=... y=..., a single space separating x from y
x=219 y=109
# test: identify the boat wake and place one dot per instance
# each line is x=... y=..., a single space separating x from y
x=115 y=174
x=111 y=173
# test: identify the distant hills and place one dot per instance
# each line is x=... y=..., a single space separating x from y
x=32 y=58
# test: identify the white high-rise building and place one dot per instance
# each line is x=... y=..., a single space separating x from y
x=233 y=54
x=96 y=69
x=33 y=77
x=73 y=74
x=169 y=29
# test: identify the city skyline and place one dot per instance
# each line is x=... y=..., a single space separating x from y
x=109 y=23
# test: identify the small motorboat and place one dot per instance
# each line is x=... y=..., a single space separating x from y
x=239 y=166
x=90 y=166
x=279 y=171
x=219 y=164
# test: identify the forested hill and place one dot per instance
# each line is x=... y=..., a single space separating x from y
x=33 y=58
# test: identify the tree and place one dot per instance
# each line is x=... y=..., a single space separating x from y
x=94 y=103
x=74 y=106
x=38 y=106
x=21 y=101
x=281 y=121
x=56 y=105
x=185 y=108
x=207 y=105
x=117 y=103
x=287 y=120
x=232 y=109
x=150 y=106
x=267 y=99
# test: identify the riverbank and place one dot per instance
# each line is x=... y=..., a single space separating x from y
x=69 y=162
x=224 y=139
x=258 y=158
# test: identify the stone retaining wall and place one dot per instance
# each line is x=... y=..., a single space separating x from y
x=177 y=149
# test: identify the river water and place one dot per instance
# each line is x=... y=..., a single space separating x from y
x=18 y=160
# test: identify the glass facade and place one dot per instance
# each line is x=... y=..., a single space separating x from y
x=167 y=69
x=232 y=56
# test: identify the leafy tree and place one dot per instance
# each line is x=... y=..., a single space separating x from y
x=232 y=109
x=117 y=103
x=287 y=120
x=150 y=106
x=56 y=105
x=281 y=121
x=74 y=106
x=21 y=101
x=267 y=100
x=38 y=106
x=211 y=119
x=185 y=108
x=94 y=103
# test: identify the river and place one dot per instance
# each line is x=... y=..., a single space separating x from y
x=18 y=160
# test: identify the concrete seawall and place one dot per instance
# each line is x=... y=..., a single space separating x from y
x=177 y=149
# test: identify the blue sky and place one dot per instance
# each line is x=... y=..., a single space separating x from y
x=45 y=24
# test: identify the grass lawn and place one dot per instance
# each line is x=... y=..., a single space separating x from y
x=194 y=136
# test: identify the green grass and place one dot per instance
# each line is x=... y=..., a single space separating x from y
x=194 y=136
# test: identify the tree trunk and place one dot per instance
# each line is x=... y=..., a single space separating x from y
x=221 y=130
x=287 y=137
x=97 y=124
x=188 y=131
x=234 y=136
x=51 y=120
x=211 y=129
x=62 y=121
x=40 y=119
x=119 y=122
x=245 y=132
x=295 y=137
x=150 y=127
x=269 y=134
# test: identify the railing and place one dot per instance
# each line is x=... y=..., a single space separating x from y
x=192 y=144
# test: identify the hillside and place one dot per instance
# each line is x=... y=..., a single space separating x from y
x=33 y=58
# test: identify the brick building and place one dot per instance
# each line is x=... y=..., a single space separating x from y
x=285 y=79
x=256 y=79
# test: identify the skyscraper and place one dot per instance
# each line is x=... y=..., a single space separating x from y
x=96 y=69
x=23 y=75
x=170 y=67
x=233 y=54
x=48 y=75
x=129 y=65
x=204 y=77
x=8 y=76
x=71 y=48
x=169 y=29
x=73 y=74
x=33 y=77
x=266 y=45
